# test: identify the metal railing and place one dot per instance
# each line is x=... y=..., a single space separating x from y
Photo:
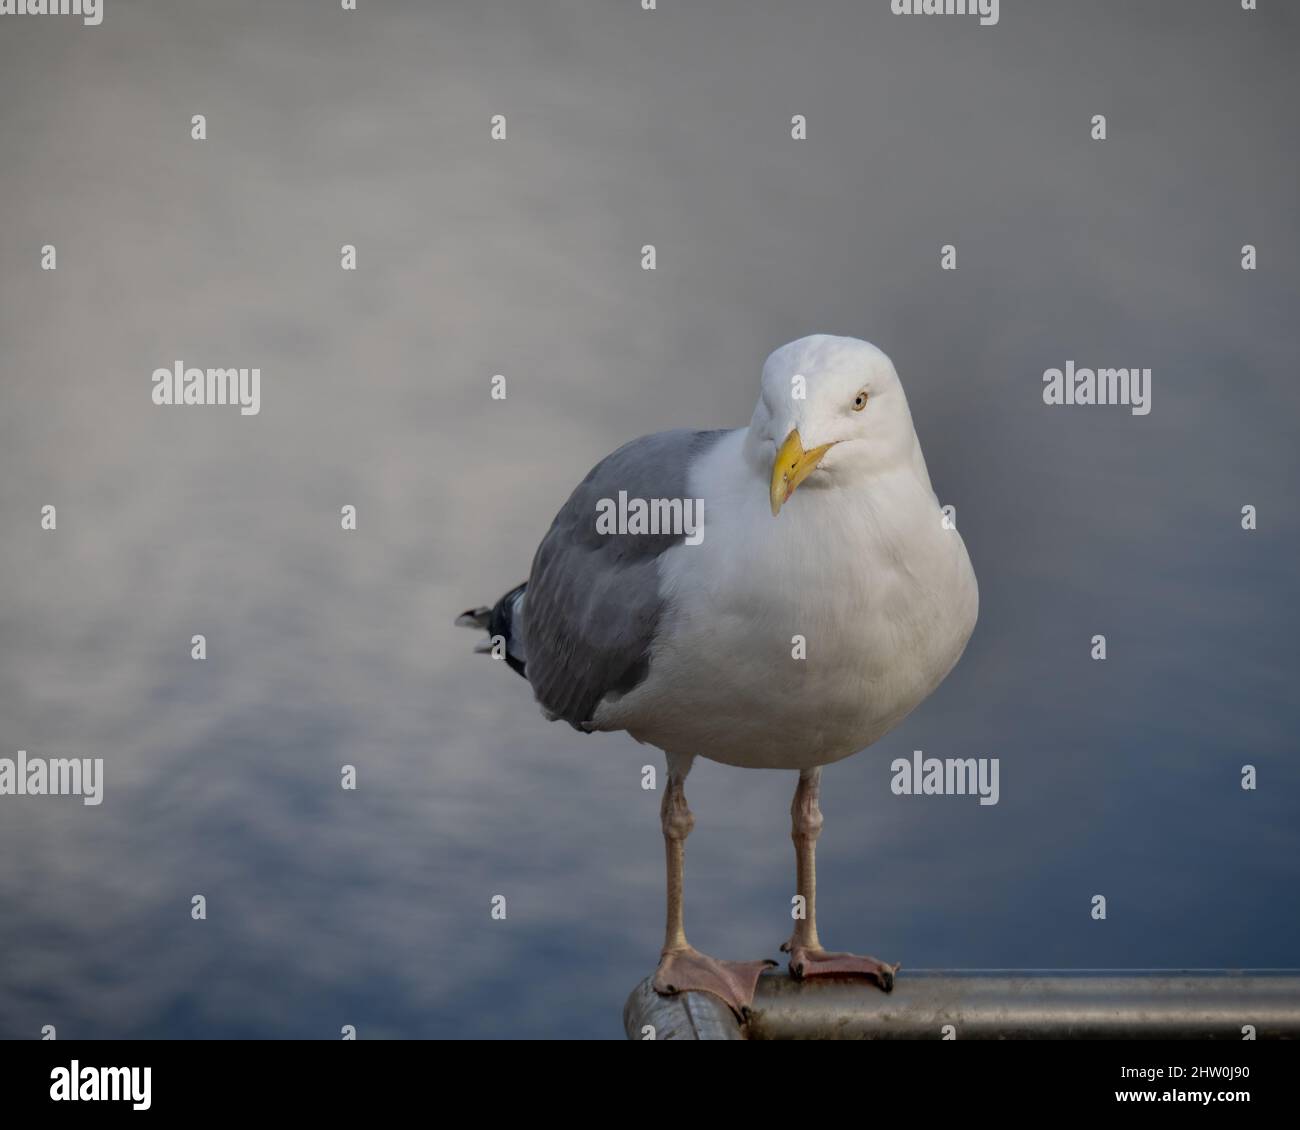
x=992 y=1004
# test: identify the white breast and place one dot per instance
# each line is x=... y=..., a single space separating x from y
x=881 y=595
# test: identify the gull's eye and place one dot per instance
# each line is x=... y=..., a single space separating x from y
x=860 y=401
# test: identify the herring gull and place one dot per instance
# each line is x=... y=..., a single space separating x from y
x=789 y=632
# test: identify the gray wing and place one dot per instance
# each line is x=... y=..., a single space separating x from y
x=592 y=601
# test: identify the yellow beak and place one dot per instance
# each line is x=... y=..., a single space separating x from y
x=792 y=465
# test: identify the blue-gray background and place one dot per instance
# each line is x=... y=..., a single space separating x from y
x=523 y=258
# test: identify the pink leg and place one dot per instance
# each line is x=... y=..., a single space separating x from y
x=807 y=957
x=682 y=968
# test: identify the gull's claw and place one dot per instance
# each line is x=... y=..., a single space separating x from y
x=686 y=970
x=813 y=961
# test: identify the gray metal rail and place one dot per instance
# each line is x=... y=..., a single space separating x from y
x=990 y=1004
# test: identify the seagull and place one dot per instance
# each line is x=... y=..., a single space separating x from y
x=791 y=631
